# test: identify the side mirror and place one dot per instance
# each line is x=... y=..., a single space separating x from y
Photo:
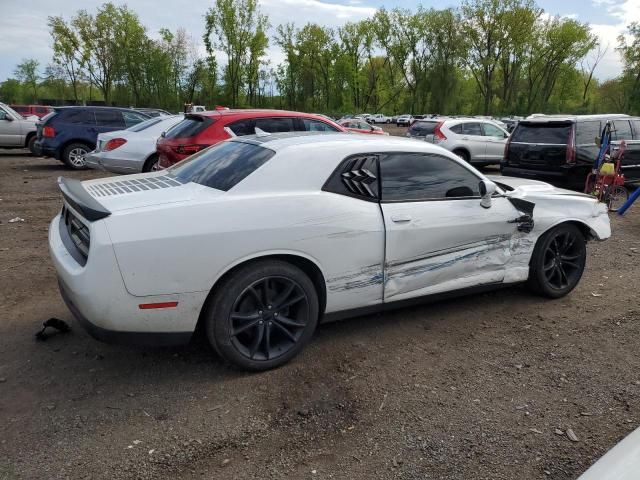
x=4 y=116
x=487 y=189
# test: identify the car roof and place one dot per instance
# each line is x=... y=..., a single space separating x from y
x=281 y=141
x=254 y=113
x=573 y=118
x=94 y=107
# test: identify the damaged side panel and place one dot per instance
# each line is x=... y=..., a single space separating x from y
x=446 y=245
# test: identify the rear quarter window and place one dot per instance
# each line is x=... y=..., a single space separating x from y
x=542 y=133
x=78 y=117
x=222 y=166
x=586 y=132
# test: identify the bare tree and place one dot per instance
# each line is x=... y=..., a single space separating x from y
x=588 y=65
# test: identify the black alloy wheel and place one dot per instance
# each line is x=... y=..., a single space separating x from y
x=268 y=318
x=558 y=261
x=262 y=315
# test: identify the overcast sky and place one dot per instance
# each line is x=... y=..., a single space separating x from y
x=24 y=33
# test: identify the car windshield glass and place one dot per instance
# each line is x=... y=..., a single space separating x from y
x=542 y=133
x=222 y=166
x=11 y=111
x=146 y=124
x=190 y=126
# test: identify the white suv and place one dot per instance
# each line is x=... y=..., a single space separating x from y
x=15 y=130
x=477 y=141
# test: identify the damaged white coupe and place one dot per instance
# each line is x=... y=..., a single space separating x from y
x=258 y=239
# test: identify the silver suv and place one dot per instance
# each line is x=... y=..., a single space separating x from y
x=476 y=141
x=15 y=130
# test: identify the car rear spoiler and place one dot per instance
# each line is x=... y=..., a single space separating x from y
x=80 y=200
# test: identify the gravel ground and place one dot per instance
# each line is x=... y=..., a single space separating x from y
x=484 y=387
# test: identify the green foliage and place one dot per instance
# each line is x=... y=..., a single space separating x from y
x=488 y=56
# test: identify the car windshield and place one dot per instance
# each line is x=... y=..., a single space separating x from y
x=146 y=124
x=222 y=166
x=12 y=111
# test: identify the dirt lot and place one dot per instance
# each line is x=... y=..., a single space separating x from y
x=474 y=388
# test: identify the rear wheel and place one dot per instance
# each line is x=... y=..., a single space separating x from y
x=262 y=315
x=463 y=154
x=151 y=165
x=558 y=261
x=74 y=155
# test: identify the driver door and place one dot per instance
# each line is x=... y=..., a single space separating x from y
x=438 y=236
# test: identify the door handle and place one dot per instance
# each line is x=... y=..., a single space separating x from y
x=465 y=138
x=400 y=218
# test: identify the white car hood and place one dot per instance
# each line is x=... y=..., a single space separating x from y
x=535 y=187
x=622 y=462
x=122 y=193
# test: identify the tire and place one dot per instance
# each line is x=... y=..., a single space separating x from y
x=276 y=310
x=617 y=196
x=558 y=261
x=30 y=144
x=463 y=154
x=73 y=155
x=151 y=165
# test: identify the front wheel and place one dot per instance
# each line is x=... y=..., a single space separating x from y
x=263 y=315
x=31 y=144
x=558 y=261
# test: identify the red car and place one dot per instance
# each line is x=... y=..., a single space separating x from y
x=200 y=130
x=361 y=126
x=28 y=110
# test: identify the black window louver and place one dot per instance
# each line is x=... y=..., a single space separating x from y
x=358 y=177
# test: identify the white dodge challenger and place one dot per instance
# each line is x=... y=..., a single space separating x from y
x=257 y=239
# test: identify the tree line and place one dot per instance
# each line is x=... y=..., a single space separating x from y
x=491 y=57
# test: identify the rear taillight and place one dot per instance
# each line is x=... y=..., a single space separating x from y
x=571 y=146
x=506 y=148
x=188 y=149
x=438 y=136
x=48 y=132
x=113 y=144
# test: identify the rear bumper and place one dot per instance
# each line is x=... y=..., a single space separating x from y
x=529 y=173
x=144 y=339
x=96 y=295
x=43 y=150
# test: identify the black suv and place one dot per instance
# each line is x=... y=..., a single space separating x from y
x=69 y=133
x=564 y=148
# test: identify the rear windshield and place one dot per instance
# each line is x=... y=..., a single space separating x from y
x=423 y=128
x=190 y=126
x=146 y=124
x=542 y=133
x=222 y=166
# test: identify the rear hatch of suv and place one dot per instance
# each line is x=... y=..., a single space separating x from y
x=541 y=145
x=423 y=129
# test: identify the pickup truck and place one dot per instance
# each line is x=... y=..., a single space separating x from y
x=15 y=130
x=379 y=118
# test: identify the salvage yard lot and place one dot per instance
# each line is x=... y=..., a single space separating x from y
x=480 y=387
